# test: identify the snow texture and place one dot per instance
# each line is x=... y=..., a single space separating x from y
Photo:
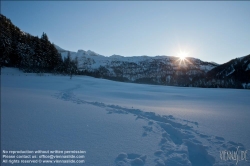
x=122 y=123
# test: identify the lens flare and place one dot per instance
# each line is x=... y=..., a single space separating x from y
x=182 y=55
x=182 y=58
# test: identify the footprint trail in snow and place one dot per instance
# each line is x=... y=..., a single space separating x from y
x=181 y=143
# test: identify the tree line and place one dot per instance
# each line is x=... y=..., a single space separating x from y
x=31 y=53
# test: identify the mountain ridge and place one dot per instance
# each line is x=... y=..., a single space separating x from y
x=163 y=70
x=33 y=54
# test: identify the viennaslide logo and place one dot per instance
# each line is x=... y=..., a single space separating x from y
x=234 y=155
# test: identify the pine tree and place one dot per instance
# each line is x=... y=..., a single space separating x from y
x=33 y=54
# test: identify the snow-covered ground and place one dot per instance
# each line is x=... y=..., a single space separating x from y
x=123 y=123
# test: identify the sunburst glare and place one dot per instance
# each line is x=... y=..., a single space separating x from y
x=182 y=57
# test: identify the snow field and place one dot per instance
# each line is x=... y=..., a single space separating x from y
x=122 y=123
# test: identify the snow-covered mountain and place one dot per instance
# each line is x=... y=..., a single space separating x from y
x=34 y=54
x=236 y=71
x=166 y=70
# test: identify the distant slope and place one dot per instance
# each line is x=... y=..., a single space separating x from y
x=33 y=54
x=59 y=49
x=237 y=71
x=164 y=70
x=233 y=68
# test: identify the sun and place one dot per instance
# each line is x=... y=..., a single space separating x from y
x=182 y=58
x=182 y=55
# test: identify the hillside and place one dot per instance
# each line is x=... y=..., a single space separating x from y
x=237 y=71
x=163 y=70
x=33 y=54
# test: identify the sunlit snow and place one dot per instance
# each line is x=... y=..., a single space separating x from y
x=123 y=123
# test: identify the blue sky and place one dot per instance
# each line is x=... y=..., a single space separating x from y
x=210 y=31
